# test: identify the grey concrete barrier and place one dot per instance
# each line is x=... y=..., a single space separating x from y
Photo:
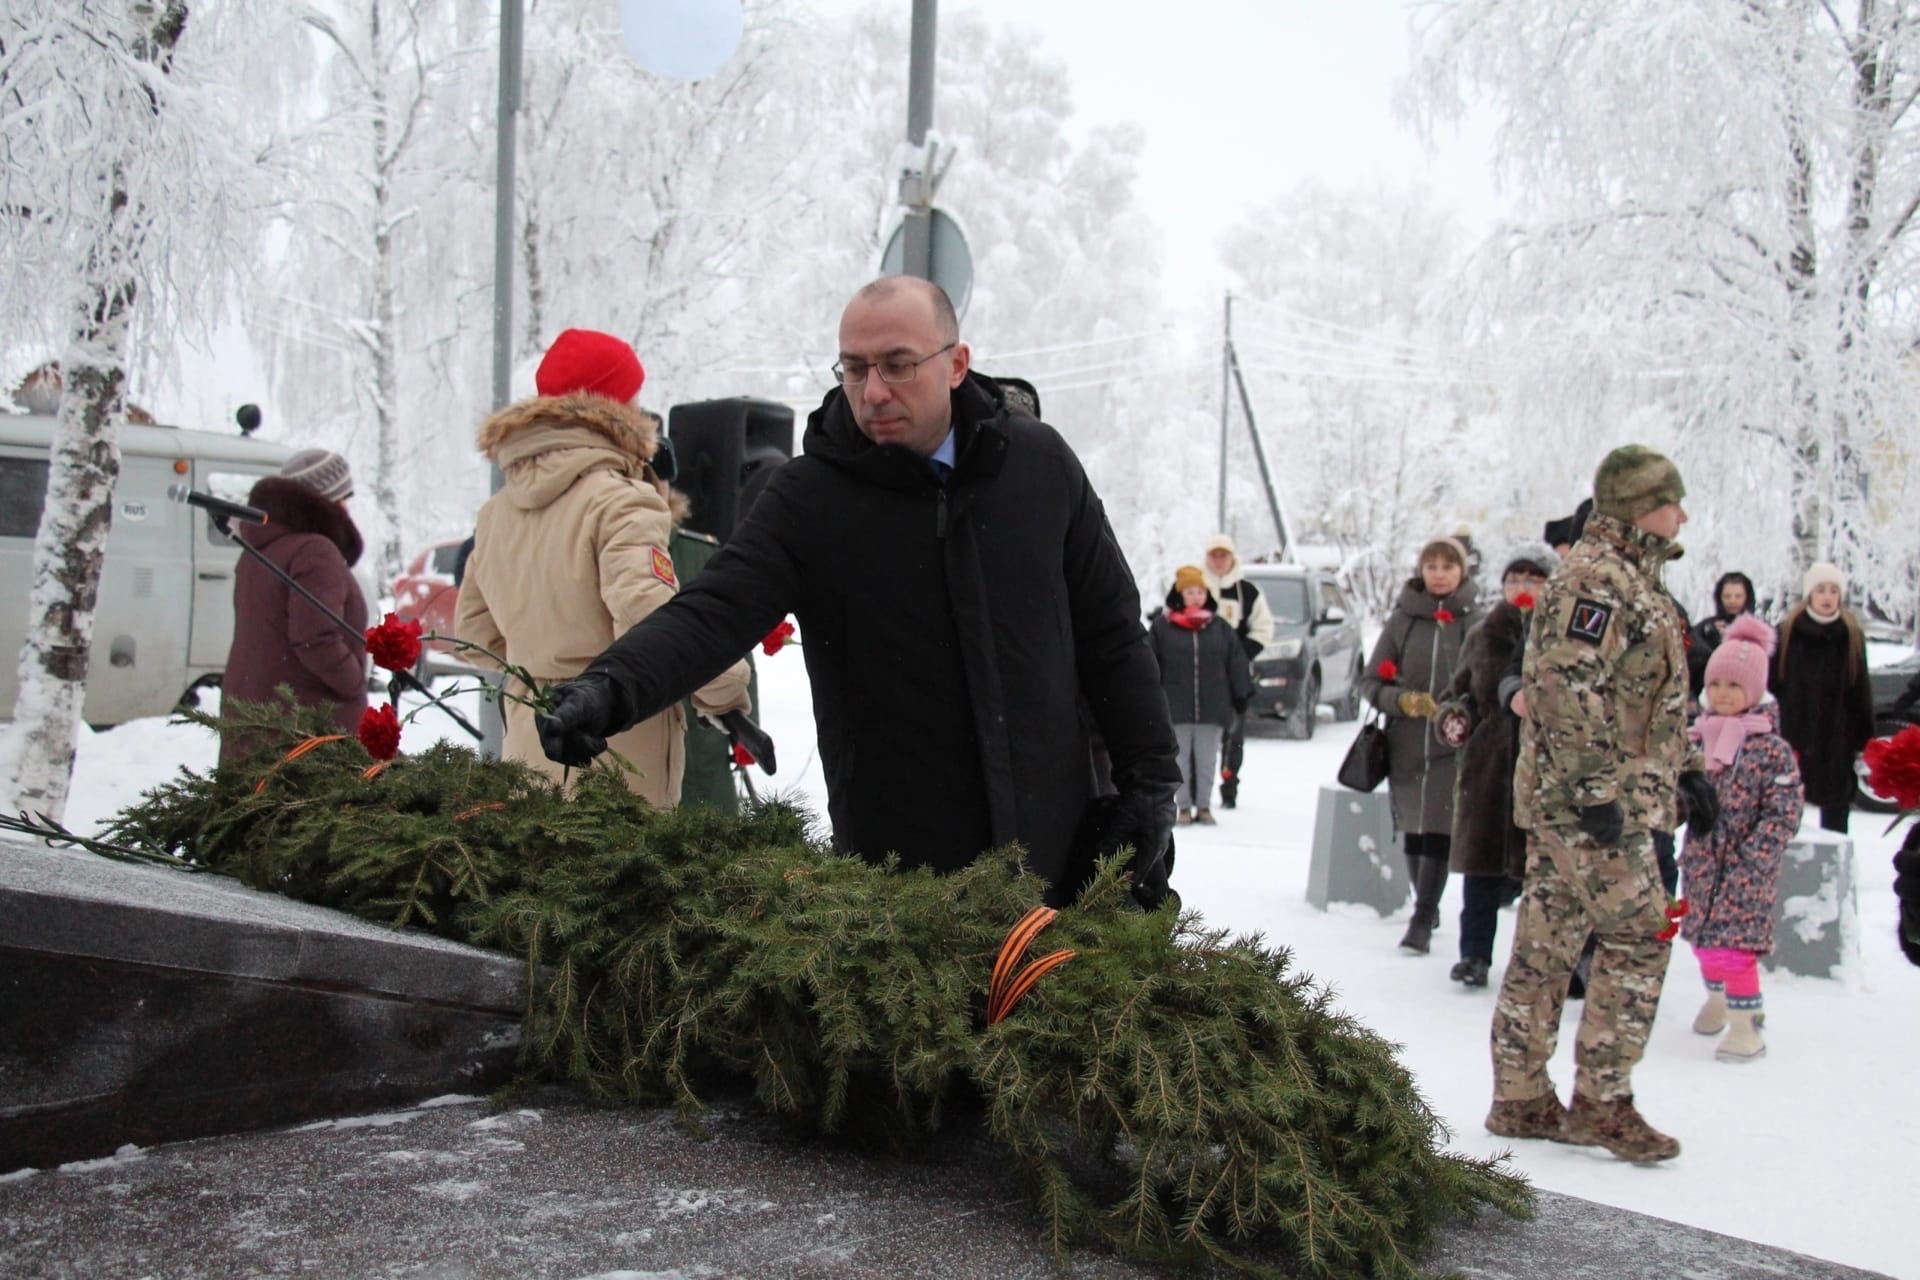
x=1356 y=852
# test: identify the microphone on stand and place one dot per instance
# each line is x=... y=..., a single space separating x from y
x=220 y=508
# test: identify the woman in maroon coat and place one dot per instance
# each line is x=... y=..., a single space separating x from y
x=280 y=638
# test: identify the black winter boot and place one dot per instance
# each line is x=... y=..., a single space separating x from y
x=1429 y=882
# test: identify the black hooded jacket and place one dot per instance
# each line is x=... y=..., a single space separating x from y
x=1704 y=636
x=948 y=634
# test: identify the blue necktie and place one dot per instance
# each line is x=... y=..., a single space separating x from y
x=941 y=470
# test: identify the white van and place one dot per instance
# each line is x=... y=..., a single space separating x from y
x=164 y=621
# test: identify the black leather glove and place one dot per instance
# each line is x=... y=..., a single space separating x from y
x=574 y=730
x=1139 y=820
x=1906 y=887
x=1703 y=805
x=1605 y=822
x=743 y=732
x=1239 y=706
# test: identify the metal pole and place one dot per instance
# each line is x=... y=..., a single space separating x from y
x=916 y=237
x=1260 y=455
x=506 y=128
x=1226 y=375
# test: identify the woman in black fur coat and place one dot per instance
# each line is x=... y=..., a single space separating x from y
x=1826 y=696
x=1489 y=852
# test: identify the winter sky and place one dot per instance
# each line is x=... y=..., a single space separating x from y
x=1242 y=100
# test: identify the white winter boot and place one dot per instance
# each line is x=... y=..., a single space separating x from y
x=1712 y=1018
x=1743 y=1042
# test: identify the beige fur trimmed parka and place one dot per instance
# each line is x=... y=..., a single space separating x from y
x=570 y=554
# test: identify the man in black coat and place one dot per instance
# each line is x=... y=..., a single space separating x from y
x=958 y=588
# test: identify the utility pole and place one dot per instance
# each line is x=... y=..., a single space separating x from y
x=916 y=185
x=1226 y=377
x=1260 y=455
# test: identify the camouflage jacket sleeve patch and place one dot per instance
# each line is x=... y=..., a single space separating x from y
x=1588 y=620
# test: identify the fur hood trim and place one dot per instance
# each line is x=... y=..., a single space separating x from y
x=624 y=426
x=292 y=508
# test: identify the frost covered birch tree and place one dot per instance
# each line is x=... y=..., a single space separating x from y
x=1716 y=234
x=373 y=259
x=108 y=153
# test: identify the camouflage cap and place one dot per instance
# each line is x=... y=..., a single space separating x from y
x=1633 y=480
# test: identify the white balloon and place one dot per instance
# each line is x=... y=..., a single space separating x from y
x=681 y=39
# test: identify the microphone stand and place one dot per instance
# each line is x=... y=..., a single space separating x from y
x=401 y=679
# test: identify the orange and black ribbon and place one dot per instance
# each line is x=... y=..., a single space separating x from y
x=300 y=749
x=1006 y=988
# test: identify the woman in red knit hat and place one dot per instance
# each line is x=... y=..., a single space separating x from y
x=573 y=550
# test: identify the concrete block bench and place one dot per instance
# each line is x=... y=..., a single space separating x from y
x=1816 y=927
x=1356 y=852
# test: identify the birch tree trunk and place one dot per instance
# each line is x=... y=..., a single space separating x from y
x=70 y=546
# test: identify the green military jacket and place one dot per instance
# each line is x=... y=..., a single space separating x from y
x=709 y=775
x=1606 y=684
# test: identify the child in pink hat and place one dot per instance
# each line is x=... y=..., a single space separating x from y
x=1732 y=877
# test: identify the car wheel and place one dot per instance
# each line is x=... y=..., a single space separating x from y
x=1299 y=723
x=1348 y=708
x=1864 y=796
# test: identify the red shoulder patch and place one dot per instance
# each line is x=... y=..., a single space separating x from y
x=663 y=568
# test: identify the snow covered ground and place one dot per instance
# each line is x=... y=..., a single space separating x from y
x=1811 y=1149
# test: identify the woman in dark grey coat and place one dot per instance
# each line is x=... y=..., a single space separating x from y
x=1415 y=657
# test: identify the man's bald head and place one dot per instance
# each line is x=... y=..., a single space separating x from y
x=946 y=321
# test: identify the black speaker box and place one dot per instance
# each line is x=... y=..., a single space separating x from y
x=727 y=451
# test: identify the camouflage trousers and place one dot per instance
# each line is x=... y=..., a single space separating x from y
x=1575 y=887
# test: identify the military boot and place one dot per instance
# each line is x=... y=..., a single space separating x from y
x=1712 y=1018
x=1743 y=1042
x=1616 y=1125
x=1541 y=1117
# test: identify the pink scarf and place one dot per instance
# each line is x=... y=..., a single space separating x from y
x=1722 y=736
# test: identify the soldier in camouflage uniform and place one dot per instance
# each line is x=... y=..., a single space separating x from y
x=1604 y=756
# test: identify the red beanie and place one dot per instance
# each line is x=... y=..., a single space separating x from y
x=591 y=361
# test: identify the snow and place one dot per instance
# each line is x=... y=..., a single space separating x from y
x=1809 y=1149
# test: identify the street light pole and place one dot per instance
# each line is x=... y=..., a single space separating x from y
x=506 y=128
x=916 y=185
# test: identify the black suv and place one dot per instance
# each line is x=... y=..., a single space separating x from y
x=1316 y=653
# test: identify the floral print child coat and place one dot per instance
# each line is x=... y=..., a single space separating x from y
x=1732 y=878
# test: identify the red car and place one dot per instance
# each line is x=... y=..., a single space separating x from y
x=426 y=591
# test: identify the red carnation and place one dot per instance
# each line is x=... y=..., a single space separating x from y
x=379 y=731
x=1524 y=600
x=1893 y=767
x=742 y=756
x=1389 y=670
x=778 y=638
x=1443 y=616
x=1677 y=909
x=1669 y=933
x=395 y=643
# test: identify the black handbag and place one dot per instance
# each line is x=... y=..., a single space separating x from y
x=1366 y=765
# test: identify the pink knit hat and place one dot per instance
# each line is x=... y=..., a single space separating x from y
x=1742 y=657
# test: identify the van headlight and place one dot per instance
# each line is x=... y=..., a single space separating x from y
x=1281 y=650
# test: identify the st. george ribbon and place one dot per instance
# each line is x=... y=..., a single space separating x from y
x=220 y=507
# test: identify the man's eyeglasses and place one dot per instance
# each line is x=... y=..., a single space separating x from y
x=894 y=369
